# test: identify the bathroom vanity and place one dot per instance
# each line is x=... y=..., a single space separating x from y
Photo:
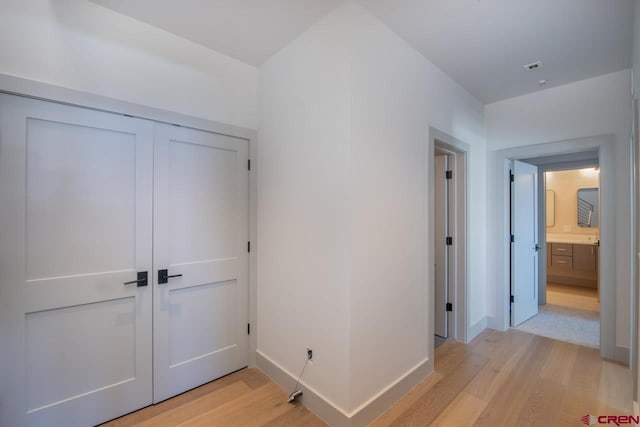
x=572 y=263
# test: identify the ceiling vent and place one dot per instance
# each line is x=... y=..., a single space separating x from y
x=534 y=66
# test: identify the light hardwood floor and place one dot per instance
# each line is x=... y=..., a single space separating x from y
x=500 y=379
x=573 y=297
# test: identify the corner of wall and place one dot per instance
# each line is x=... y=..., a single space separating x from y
x=475 y=329
x=330 y=412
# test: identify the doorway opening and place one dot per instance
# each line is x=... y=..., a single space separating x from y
x=566 y=245
x=444 y=203
x=449 y=241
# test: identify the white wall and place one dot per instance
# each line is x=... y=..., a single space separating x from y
x=79 y=45
x=396 y=95
x=565 y=185
x=597 y=106
x=636 y=49
x=303 y=215
x=636 y=95
x=344 y=117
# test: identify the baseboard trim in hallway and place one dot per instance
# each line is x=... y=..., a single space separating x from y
x=622 y=355
x=336 y=416
x=543 y=382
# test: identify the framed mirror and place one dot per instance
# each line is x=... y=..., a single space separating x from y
x=587 y=207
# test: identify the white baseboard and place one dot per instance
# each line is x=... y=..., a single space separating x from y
x=493 y=323
x=378 y=404
x=476 y=328
x=622 y=355
x=314 y=401
x=331 y=413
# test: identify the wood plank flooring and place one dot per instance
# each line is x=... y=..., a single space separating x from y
x=524 y=379
x=244 y=398
x=499 y=379
x=573 y=297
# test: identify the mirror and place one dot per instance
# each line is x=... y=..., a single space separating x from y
x=588 y=207
x=551 y=208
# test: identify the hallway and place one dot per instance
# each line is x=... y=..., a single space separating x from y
x=500 y=378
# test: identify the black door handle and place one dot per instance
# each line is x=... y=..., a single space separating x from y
x=142 y=279
x=163 y=276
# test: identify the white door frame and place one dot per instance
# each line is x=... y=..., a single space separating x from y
x=498 y=166
x=458 y=294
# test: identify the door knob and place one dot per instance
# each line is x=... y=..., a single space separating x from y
x=163 y=276
x=142 y=279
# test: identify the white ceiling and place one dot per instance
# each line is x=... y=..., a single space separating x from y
x=482 y=44
x=248 y=30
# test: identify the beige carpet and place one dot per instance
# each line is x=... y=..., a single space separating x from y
x=566 y=324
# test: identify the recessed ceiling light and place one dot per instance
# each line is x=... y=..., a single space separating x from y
x=542 y=82
x=533 y=66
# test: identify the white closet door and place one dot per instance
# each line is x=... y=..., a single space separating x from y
x=75 y=224
x=200 y=234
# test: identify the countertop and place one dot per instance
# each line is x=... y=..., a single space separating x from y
x=575 y=239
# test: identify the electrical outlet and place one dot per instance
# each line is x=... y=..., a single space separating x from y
x=309 y=354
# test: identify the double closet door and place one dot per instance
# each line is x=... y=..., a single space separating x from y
x=123 y=262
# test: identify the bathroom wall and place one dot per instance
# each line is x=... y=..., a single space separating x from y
x=565 y=185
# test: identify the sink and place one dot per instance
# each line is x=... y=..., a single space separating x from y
x=580 y=239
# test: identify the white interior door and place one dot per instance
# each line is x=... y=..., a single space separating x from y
x=75 y=224
x=524 y=269
x=440 y=248
x=200 y=236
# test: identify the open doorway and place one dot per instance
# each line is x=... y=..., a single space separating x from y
x=567 y=248
x=449 y=241
x=609 y=251
x=444 y=217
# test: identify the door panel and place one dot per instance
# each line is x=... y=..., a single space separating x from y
x=80 y=199
x=61 y=353
x=441 y=267
x=525 y=230
x=75 y=222
x=584 y=258
x=202 y=186
x=200 y=234
x=215 y=303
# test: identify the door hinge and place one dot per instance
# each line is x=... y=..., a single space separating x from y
x=248 y=328
x=512 y=299
x=249 y=164
x=248 y=246
x=449 y=241
x=448 y=175
x=512 y=238
x=511 y=176
x=449 y=307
